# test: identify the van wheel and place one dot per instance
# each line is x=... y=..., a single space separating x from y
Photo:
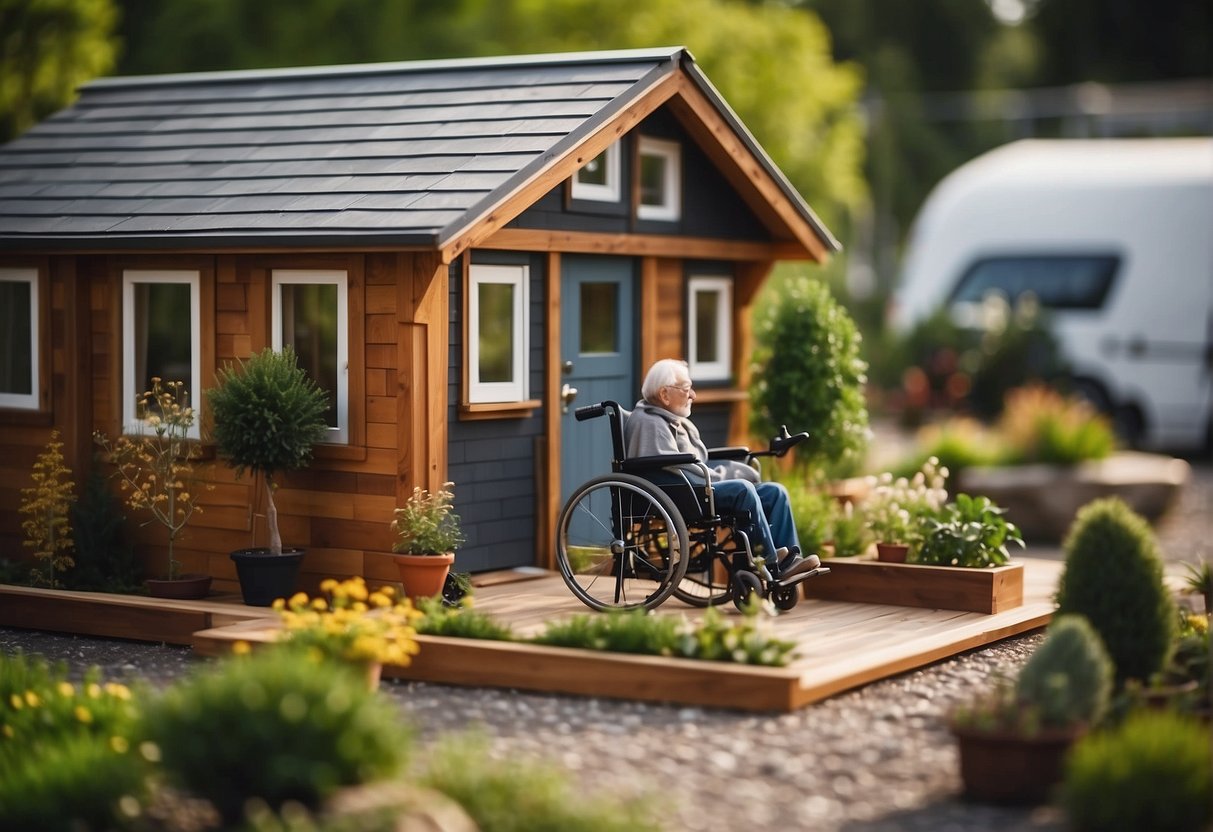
x=1129 y=425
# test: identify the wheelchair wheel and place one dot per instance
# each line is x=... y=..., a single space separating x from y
x=621 y=543
x=787 y=597
x=744 y=584
x=706 y=584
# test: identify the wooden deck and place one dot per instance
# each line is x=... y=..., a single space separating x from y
x=842 y=645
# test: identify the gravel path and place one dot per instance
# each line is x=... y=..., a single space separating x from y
x=875 y=759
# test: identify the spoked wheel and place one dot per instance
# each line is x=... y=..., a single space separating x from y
x=706 y=583
x=744 y=584
x=621 y=543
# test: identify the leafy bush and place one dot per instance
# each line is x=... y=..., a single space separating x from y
x=105 y=558
x=1152 y=772
x=958 y=443
x=618 y=631
x=58 y=738
x=969 y=532
x=811 y=512
x=275 y=727
x=1069 y=677
x=1040 y=425
x=522 y=797
x=748 y=641
x=460 y=621
x=810 y=376
x=1113 y=577
x=849 y=531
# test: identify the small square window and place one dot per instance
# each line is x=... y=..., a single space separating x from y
x=709 y=328
x=161 y=338
x=310 y=314
x=498 y=321
x=660 y=180
x=19 y=338
x=598 y=180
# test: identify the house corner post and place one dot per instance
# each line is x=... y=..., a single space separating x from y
x=421 y=387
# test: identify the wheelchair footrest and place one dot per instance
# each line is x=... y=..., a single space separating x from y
x=800 y=578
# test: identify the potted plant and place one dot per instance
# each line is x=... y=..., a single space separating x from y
x=970 y=532
x=1013 y=741
x=155 y=471
x=895 y=510
x=268 y=416
x=427 y=534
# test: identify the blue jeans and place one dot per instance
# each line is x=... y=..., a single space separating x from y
x=771 y=513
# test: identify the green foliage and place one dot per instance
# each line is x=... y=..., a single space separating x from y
x=291 y=730
x=1113 y=576
x=1152 y=772
x=970 y=532
x=105 y=558
x=460 y=622
x=47 y=50
x=618 y=631
x=1040 y=425
x=1069 y=677
x=58 y=738
x=850 y=532
x=717 y=639
x=809 y=375
x=47 y=505
x=427 y=523
x=1199 y=579
x=811 y=512
x=268 y=414
x=899 y=510
x=958 y=443
x=521 y=796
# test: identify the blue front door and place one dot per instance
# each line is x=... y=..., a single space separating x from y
x=597 y=343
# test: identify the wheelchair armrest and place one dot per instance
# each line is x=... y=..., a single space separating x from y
x=654 y=463
x=738 y=453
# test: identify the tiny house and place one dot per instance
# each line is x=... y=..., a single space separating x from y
x=459 y=251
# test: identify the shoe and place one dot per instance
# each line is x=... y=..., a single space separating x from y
x=798 y=564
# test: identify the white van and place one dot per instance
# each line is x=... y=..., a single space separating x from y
x=1115 y=239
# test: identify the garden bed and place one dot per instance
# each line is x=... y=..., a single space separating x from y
x=987 y=591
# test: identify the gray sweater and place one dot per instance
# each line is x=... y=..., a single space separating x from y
x=652 y=430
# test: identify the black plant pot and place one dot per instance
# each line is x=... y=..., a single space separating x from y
x=264 y=576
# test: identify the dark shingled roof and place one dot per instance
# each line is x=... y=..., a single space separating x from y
x=401 y=154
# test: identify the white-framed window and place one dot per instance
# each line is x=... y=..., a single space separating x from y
x=19 y=358
x=161 y=338
x=709 y=328
x=660 y=179
x=498 y=321
x=599 y=179
x=310 y=312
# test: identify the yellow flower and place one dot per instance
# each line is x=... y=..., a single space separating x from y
x=118 y=691
x=319 y=604
x=119 y=745
x=93 y=690
x=16 y=701
x=299 y=599
x=241 y=648
x=279 y=604
x=66 y=689
x=328 y=585
x=83 y=714
x=32 y=699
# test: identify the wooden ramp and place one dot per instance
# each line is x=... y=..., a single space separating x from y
x=842 y=645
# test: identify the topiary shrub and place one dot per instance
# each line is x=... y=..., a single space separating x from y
x=810 y=376
x=276 y=727
x=1113 y=577
x=1152 y=772
x=1069 y=677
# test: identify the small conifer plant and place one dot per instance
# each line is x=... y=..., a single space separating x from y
x=46 y=504
x=1113 y=577
x=1069 y=677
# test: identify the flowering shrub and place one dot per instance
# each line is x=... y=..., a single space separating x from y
x=351 y=623
x=1041 y=425
x=427 y=524
x=156 y=470
x=47 y=528
x=896 y=509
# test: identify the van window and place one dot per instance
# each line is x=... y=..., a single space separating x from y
x=1058 y=281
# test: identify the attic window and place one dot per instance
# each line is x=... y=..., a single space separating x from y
x=709 y=334
x=310 y=314
x=161 y=338
x=660 y=179
x=599 y=180
x=19 y=338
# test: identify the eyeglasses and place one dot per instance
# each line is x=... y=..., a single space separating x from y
x=685 y=388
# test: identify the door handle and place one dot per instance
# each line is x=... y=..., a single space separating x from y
x=567 y=394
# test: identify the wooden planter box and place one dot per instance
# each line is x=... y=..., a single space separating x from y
x=915 y=585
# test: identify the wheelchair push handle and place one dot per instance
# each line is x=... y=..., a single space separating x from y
x=589 y=411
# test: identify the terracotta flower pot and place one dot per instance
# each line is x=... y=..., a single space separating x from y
x=1010 y=768
x=892 y=552
x=423 y=575
x=190 y=586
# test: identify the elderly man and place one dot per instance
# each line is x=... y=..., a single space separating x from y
x=661 y=424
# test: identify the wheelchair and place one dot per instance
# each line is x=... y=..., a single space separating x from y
x=633 y=538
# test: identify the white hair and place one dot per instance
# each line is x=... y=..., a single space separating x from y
x=663 y=373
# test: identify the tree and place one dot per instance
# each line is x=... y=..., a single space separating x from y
x=47 y=49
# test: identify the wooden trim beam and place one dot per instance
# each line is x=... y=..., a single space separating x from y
x=640 y=245
x=421 y=388
x=550 y=482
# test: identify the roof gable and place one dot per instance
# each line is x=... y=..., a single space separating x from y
x=433 y=154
